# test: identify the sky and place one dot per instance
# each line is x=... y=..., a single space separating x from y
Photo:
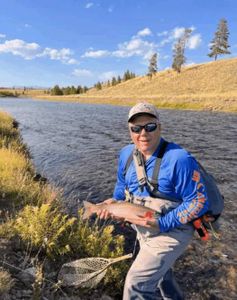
x=79 y=42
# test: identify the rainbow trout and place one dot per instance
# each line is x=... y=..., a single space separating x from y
x=120 y=210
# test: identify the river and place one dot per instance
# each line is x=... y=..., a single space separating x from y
x=75 y=146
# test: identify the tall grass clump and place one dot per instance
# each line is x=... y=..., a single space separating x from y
x=17 y=184
x=9 y=134
x=48 y=230
x=96 y=239
x=45 y=228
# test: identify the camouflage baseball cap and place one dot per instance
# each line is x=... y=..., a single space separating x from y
x=143 y=108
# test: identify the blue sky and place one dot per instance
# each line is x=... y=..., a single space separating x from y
x=72 y=42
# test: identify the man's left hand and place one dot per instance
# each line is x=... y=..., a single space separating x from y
x=144 y=221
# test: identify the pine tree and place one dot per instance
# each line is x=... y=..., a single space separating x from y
x=56 y=90
x=152 y=69
x=219 y=45
x=126 y=76
x=79 y=89
x=98 y=85
x=119 y=79
x=179 y=48
x=114 y=81
x=66 y=90
x=85 y=89
x=73 y=90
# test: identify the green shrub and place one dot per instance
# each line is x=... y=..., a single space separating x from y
x=9 y=134
x=45 y=228
x=93 y=239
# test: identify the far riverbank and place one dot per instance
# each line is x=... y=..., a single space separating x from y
x=221 y=103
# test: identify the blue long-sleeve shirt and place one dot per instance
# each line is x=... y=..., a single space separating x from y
x=179 y=178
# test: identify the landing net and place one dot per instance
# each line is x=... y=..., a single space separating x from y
x=86 y=272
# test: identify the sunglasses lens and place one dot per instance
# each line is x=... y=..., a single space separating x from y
x=150 y=127
x=136 y=129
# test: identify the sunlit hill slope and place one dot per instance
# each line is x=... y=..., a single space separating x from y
x=210 y=85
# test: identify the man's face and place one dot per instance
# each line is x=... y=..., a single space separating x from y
x=145 y=141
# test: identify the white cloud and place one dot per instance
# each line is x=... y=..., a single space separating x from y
x=33 y=50
x=177 y=32
x=72 y=61
x=89 y=5
x=135 y=47
x=144 y=32
x=163 y=33
x=174 y=34
x=2 y=36
x=194 y=41
x=27 y=25
x=82 y=73
x=96 y=54
x=19 y=47
x=63 y=54
x=108 y=75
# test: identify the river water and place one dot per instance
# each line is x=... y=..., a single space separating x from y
x=75 y=146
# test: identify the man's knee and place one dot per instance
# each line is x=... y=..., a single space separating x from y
x=132 y=279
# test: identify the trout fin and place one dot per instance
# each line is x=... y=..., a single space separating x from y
x=149 y=214
x=87 y=209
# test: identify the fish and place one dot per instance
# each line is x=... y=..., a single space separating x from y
x=120 y=210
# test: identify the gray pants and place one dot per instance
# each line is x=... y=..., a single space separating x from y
x=152 y=267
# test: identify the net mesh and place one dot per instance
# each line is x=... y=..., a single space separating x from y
x=86 y=272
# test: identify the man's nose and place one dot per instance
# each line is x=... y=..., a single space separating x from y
x=143 y=132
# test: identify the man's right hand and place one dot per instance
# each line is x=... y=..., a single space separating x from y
x=104 y=213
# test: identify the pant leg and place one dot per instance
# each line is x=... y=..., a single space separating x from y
x=169 y=287
x=156 y=256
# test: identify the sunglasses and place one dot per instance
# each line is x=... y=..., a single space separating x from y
x=149 y=127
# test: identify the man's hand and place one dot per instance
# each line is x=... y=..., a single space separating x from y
x=144 y=221
x=104 y=213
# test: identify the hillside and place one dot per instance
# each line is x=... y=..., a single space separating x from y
x=214 y=77
x=211 y=85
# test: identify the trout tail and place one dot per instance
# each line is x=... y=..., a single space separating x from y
x=88 y=209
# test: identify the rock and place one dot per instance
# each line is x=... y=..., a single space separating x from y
x=27 y=276
x=26 y=294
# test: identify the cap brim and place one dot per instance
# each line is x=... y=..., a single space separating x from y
x=141 y=114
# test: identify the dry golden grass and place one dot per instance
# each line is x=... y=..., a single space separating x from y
x=202 y=79
x=205 y=86
x=208 y=86
x=21 y=92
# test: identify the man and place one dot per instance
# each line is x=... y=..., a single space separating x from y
x=163 y=239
